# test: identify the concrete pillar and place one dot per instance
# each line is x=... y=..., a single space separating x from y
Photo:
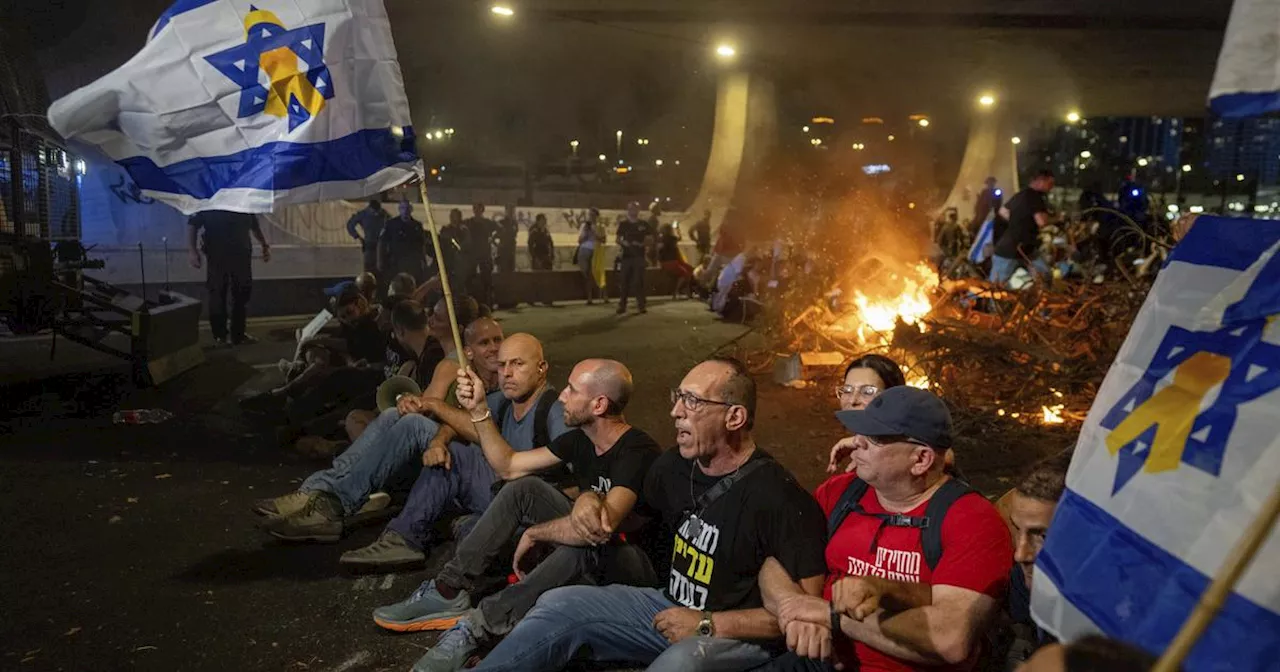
x=990 y=152
x=745 y=132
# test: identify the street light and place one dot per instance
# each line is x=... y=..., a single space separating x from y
x=805 y=129
x=1086 y=154
x=602 y=157
x=987 y=100
x=924 y=123
x=502 y=10
x=726 y=51
x=1186 y=167
x=657 y=162
x=1073 y=117
x=573 y=145
x=619 y=134
x=1016 y=140
x=1239 y=177
x=891 y=138
x=1142 y=161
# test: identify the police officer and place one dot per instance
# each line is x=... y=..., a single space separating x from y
x=230 y=271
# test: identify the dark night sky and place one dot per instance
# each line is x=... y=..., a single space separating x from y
x=583 y=68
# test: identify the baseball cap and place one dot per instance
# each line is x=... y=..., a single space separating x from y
x=336 y=290
x=906 y=411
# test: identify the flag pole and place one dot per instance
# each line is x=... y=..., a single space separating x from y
x=444 y=275
x=1223 y=583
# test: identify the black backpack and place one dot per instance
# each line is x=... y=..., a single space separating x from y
x=930 y=524
x=561 y=474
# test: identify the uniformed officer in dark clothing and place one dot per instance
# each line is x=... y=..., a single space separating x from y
x=370 y=221
x=988 y=203
x=480 y=232
x=505 y=241
x=229 y=250
x=702 y=236
x=402 y=247
x=634 y=236
x=454 y=245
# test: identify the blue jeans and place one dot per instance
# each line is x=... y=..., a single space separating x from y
x=387 y=445
x=612 y=624
x=1003 y=268
x=468 y=482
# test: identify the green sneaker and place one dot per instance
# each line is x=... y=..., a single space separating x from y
x=320 y=520
x=390 y=551
x=283 y=505
x=426 y=609
x=451 y=651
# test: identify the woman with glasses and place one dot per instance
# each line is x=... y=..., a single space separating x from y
x=864 y=379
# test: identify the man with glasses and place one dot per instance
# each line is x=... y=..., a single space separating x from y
x=726 y=505
x=591 y=539
x=917 y=562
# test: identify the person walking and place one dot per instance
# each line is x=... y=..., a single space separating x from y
x=369 y=221
x=229 y=250
x=634 y=236
x=587 y=241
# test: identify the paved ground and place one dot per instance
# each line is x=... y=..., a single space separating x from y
x=133 y=547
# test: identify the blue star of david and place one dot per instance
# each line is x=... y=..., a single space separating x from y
x=1255 y=371
x=240 y=64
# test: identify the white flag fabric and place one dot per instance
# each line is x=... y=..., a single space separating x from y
x=1175 y=459
x=980 y=250
x=1246 y=82
x=242 y=106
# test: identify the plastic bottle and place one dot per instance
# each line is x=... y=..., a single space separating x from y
x=145 y=416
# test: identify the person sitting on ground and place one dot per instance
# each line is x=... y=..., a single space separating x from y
x=609 y=459
x=1091 y=653
x=402 y=285
x=527 y=414
x=672 y=260
x=727 y=505
x=367 y=285
x=906 y=594
x=1030 y=508
x=315 y=512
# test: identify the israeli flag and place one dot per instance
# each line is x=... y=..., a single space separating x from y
x=1247 y=80
x=980 y=250
x=249 y=106
x=1175 y=459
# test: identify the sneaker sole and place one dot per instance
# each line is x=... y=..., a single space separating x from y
x=307 y=538
x=379 y=567
x=419 y=626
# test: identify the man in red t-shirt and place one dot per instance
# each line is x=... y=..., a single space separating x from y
x=894 y=603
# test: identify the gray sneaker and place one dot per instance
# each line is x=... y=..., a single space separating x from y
x=320 y=520
x=388 y=552
x=426 y=609
x=283 y=505
x=450 y=652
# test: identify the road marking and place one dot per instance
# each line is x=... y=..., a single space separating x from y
x=386 y=583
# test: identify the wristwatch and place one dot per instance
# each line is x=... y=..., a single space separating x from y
x=706 y=627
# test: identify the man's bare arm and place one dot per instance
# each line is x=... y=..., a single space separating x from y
x=508 y=463
x=944 y=632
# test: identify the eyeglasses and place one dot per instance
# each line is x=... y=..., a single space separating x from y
x=864 y=391
x=881 y=441
x=692 y=401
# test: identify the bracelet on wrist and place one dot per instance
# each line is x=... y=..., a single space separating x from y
x=487 y=414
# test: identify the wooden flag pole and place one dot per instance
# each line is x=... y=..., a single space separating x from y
x=444 y=275
x=1223 y=583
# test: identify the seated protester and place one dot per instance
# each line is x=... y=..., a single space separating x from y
x=609 y=459
x=402 y=285
x=728 y=506
x=395 y=439
x=1030 y=508
x=1091 y=653
x=905 y=595
x=528 y=415
x=367 y=284
x=864 y=379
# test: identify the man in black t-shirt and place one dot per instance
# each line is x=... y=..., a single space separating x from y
x=634 y=235
x=608 y=458
x=1027 y=213
x=226 y=244
x=710 y=615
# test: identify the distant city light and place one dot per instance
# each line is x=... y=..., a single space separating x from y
x=1086 y=154
x=1073 y=116
x=573 y=144
x=1016 y=140
x=1239 y=177
x=602 y=157
x=1186 y=167
x=1173 y=207
x=439 y=135
x=657 y=162
x=859 y=146
x=876 y=168
x=924 y=123
x=502 y=10
x=987 y=100
x=805 y=129
x=1142 y=161
x=891 y=138
x=448 y=131
x=1196 y=208
x=822 y=120
x=726 y=51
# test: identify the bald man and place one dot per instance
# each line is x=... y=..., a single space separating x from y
x=609 y=459
x=455 y=471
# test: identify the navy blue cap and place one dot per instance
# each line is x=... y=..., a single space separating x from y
x=903 y=411
x=337 y=290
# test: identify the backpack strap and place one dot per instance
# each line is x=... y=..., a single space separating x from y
x=541 y=431
x=934 y=512
x=845 y=505
x=725 y=484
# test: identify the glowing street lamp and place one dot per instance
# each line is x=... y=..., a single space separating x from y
x=573 y=145
x=726 y=51
x=924 y=123
x=502 y=10
x=1239 y=177
x=805 y=129
x=1073 y=117
x=1086 y=154
x=1186 y=167
x=1016 y=140
x=987 y=100
x=602 y=157
x=657 y=162
x=1142 y=161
